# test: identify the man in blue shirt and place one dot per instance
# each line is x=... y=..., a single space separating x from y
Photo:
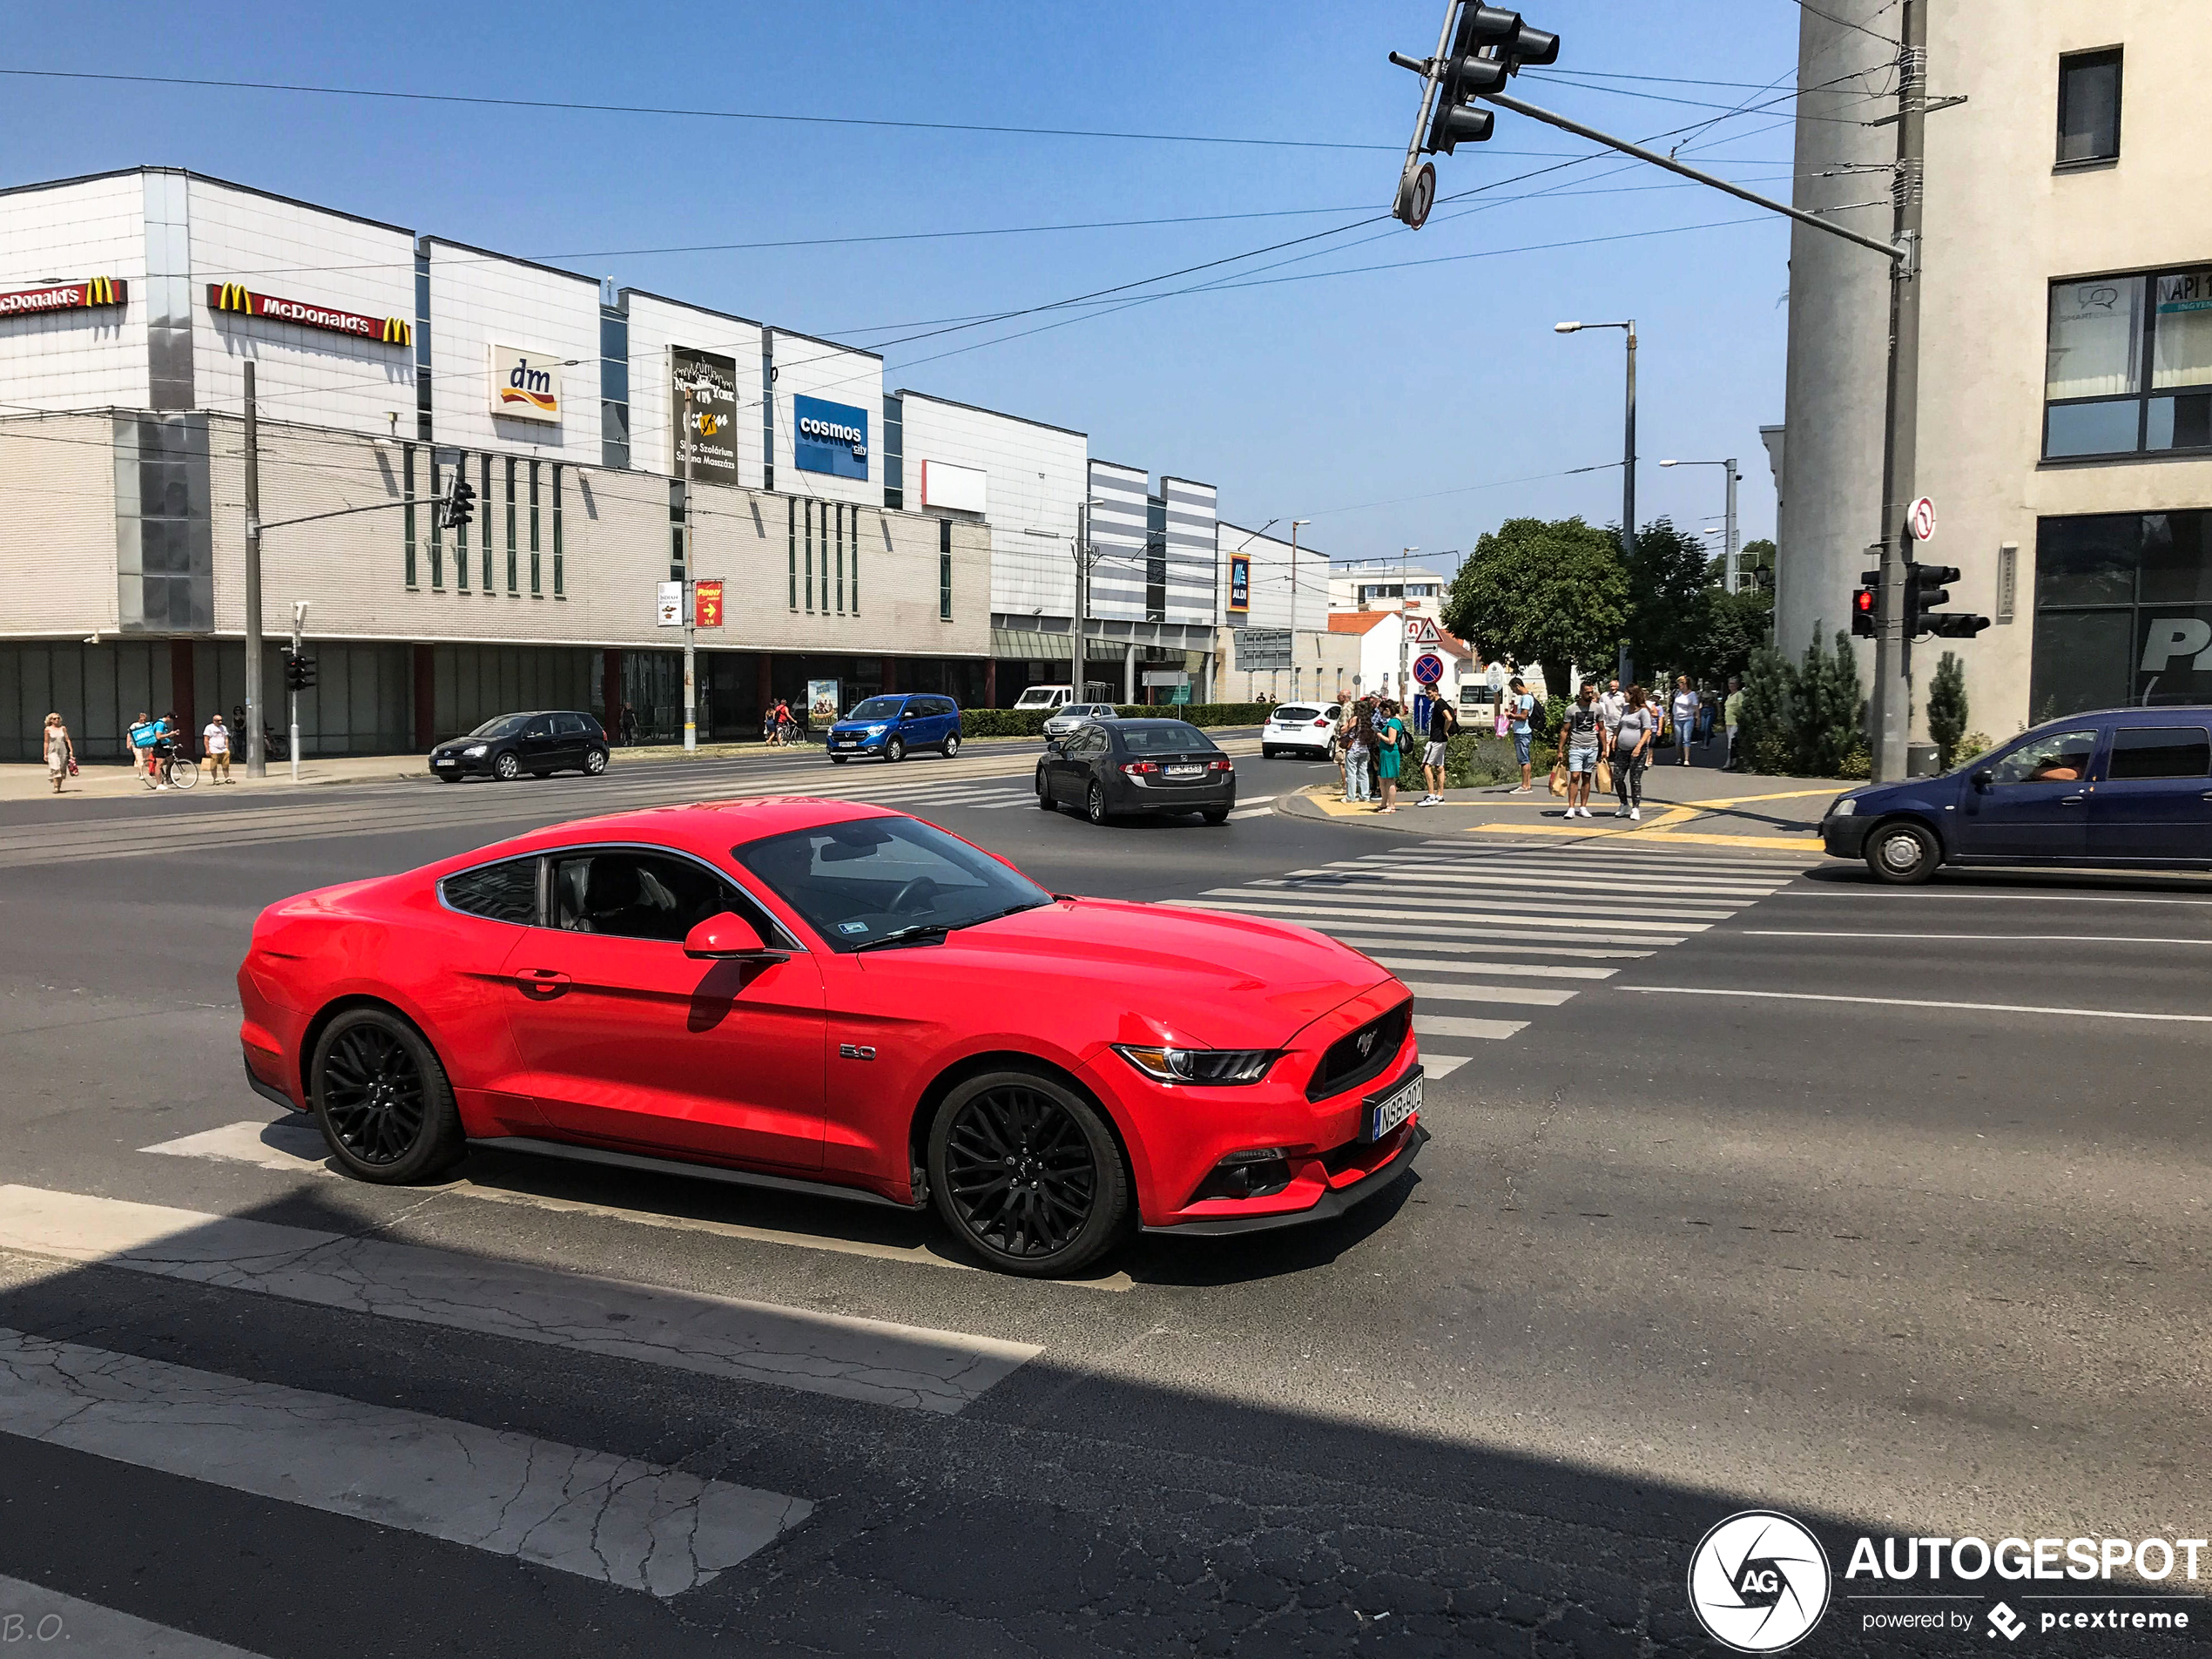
x=1519 y=705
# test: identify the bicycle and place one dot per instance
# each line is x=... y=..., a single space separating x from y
x=177 y=770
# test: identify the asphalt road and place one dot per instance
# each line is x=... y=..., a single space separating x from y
x=1693 y=1236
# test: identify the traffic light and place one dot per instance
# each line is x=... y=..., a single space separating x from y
x=1927 y=587
x=462 y=504
x=1490 y=44
x=1866 y=605
x=299 y=672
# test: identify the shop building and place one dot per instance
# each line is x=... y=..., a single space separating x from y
x=1275 y=639
x=1378 y=584
x=2064 y=408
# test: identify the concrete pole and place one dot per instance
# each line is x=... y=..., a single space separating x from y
x=257 y=763
x=1076 y=663
x=299 y=646
x=1734 y=547
x=1629 y=484
x=690 y=664
x=1891 y=713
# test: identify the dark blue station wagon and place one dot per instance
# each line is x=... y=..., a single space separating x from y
x=2120 y=787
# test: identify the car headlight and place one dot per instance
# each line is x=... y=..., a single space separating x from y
x=1217 y=1067
x=878 y=730
x=1846 y=806
x=476 y=749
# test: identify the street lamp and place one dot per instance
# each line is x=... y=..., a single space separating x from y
x=1627 y=454
x=1403 y=555
x=1733 y=578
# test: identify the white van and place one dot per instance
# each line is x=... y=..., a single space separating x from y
x=1045 y=697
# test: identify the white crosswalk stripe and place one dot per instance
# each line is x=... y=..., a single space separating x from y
x=1437 y=913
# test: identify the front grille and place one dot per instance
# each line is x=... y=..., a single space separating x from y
x=1345 y=1066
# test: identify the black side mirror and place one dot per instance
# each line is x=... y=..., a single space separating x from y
x=1053 y=745
x=1983 y=778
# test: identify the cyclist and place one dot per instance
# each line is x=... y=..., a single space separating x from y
x=163 y=756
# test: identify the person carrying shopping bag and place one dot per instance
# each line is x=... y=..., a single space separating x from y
x=1357 y=748
x=61 y=753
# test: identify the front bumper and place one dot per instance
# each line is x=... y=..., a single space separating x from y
x=1395 y=1154
x=462 y=765
x=856 y=743
x=1846 y=837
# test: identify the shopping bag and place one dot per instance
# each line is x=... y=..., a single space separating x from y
x=1605 y=777
x=1559 y=778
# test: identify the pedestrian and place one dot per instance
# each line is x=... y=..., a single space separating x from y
x=1348 y=717
x=1442 y=719
x=1609 y=705
x=1357 y=751
x=626 y=724
x=1391 y=741
x=215 y=744
x=1581 y=739
x=1519 y=705
x=1685 y=713
x=163 y=754
x=1732 y=716
x=61 y=753
x=140 y=753
x=1632 y=741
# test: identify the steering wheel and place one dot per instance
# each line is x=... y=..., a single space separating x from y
x=922 y=887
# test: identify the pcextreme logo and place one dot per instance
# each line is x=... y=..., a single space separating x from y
x=65 y=296
x=1759 y=1581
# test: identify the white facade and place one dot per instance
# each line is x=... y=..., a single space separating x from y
x=1387 y=587
x=75 y=358
x=1033 y=480
x=1289 y=587
x=1120 y=499
x=843 y=374
x=656 y=326
x=482 y=303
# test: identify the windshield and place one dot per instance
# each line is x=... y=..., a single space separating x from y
x=861 y=881
x=876 y=708
x=1166 y=738
x=1284 y=715
x=1038 y=697
x=505 y=726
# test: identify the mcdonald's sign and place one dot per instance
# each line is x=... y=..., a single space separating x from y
x=85 y=292
x=236 y=296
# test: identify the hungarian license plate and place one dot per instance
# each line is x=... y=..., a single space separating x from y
x=447 y=760
x=1387 y=1112
x=1186 y=771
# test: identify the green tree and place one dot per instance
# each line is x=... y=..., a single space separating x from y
x=1831 y=709
x=1947 y=707
x=1670 y=601
x=1736 y=625
x=1766 y=733
x=1756 y=560
x=1550 y=593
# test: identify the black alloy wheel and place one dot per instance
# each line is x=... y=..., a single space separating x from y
x=1902 y=853
x=385 y=1105
x=895 y=750
x=595 y=761
x=1095 y=805
x=506 y=768
x=1045 y=802
x=1026 y=1171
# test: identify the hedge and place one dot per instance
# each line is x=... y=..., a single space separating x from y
x=1029 y=723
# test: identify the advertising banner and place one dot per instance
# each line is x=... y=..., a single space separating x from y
x=829 y=437
x=668 y=605
x=236 y=296
x=1240 y=581
x=821 y=702
x=525 y=385
x=959 y=489
x=707 y=603
x=712 y=439
x=65 y=296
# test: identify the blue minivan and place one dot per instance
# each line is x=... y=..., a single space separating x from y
x=892 y=724
x=2120 y=787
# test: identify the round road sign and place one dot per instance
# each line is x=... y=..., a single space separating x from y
x=1428 y=668
x=1921 y=519
x=1421 y=196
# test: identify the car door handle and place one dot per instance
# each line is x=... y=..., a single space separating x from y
x=2071 y=800
x=544 y=982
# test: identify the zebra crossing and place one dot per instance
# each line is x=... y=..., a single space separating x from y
x=1506 y=925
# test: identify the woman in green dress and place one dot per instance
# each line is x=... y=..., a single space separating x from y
x=1389 y=734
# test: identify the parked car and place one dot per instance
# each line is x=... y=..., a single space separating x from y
x=2128 y=787
x=1050 y=697
x=828 y=997
x=895 y=723
x=1127 y=766
x=1302 y=729
x=539 y=743
x=1071 y=715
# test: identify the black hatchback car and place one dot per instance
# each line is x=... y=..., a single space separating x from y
x=538 y=742
x=2120 y=787
x=1130 y=766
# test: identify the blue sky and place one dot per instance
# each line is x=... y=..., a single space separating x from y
x=1357 y=401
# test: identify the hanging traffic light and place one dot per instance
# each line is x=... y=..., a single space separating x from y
x=1866 y=605
x=462 y=504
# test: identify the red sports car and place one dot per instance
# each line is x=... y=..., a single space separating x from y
x=829 y=996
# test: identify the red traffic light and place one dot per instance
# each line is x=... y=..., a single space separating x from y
x=1863 y=602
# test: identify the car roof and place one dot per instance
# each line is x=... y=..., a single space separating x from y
x=708 y=827
x=2153 y=714
x=1149 y=725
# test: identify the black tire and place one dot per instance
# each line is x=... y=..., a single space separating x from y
x=894 y=751
x=950 y=746
x=506 y=768
x=1329 y=754
x=1216 y=814
x=383 y=1100
x=1026 y=1174
x=1095 y=806
x=1045 y=803
x=1266 y=752
x=449 y=777
x=595 y=762
x=1902 y=853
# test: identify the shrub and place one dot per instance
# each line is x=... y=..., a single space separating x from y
x=1478 y=759
x=1973 y=747
x=1806 y=721
x=1947 y=708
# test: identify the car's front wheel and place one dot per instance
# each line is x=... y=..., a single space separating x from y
x=1044 y=791
x=1902 y=853
x=383 y=1098
x=1026 y=1172
x=506 y=768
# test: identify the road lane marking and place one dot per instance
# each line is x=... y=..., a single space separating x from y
x=615 y=1519
x=1964 y=892
x=1516 y=994
x=1492 y=924
x=1404 y=904
x=1439 y=1025
x=2050 y=939
x=89 y=1627
x=296 y=1146
x=872 y=1361
x=1912 y=1002
x=1443 y=1065
x=1509 y=970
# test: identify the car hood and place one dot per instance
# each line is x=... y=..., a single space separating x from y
x=1153 y=972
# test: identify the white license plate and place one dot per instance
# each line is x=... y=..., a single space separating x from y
x=1386 y=1114
x=1186 y=771
x=448 y=761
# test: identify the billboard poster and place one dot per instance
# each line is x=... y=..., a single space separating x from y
x=525 y=385
x=821 y=702
x=1240 y=583
x=707 y=603
x=668 y=604
x=829 y=437
x=710 y=439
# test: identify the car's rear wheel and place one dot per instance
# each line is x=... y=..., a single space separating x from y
x=1902 y=853
x=595 y=762
x=506 y=768
x=1216 y=814
x=951 y=746
x=894 y=750
x=1095 y=806
x=1266 y=752
x=384 y=1102
x=1026 y=1173
x=1330 y=753
x=1044 y=793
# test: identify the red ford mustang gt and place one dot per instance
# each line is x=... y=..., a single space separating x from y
x=828 y=997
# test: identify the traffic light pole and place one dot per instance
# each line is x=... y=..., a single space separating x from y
x=257 y=764
x=691 y=605
x=299 y=645
x=1891 y=711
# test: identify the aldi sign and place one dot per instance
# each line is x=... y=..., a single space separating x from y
x=829 y=437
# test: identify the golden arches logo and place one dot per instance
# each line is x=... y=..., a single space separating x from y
x=102 y=291
x=233 y=296
x=398 y=331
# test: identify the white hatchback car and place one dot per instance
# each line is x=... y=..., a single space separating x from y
x=1068 y=716
x=1301 y=729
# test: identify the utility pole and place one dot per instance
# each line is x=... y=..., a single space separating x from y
x=1732 y=546
x=292 y=693
x=257 y=765
x=691 y=607
x=1890 y=716
x=1078 y=665
x=1628 y=491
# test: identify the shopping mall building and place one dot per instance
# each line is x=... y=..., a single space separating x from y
x=884 y=540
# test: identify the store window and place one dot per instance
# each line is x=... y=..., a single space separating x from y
x=560 y=576
x=2089 y=107
x=945 y=569
x=2128 y=365
x=537 y=585
x=2123 y=613
x=408 y=512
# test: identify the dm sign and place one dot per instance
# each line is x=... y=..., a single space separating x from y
x=525 y=385
x=829 y=437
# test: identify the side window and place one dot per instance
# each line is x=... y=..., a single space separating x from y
x=568 y=725
x=2053 y=757
x=2161 y=752
x=626 y=893
x=537 y=728
x=503 y=891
